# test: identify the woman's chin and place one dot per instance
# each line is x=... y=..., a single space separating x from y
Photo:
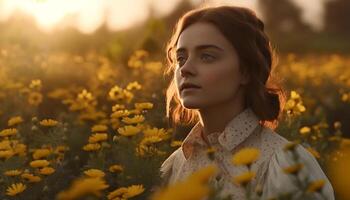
x=190 y=104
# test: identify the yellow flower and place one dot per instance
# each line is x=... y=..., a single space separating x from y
x=14 y=121
x=126 y=192
x=120 y=113
x=30 y=177
x=290 y=146
x=39 y=163
x=48 y=122
x=134 y=120
x=35 y=84
x=46 y=170
x=116 y=93
x=12 y=172
x=142 y=106
x=99 y=128
x=294 y=169
x=116 y=168
x=197 y=182
x=8 y=132
x=98 y=137
x=175 y=143
x=246 y=156
x=129 y=130
x=15 y=189
x=314 y=152
x=35 y=98
x=5 y=145
x=339 y=164
x=244 y=178
x=94 y=173
x=20 y=149
x=92 y=147
x=7 y=154
x=117 y=107
x=148 y=132
x=40 y=153
x=315 y=186
x=82 y=187
x=133 y=85
x=305 y=130
x=294 y=95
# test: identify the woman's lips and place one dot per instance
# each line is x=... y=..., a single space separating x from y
x=190 y=89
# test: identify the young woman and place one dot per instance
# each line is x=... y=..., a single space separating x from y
x=220 y=59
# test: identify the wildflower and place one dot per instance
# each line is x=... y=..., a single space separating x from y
x=305 y=130
x=116 y=168
x=39 y=163
x=156 y=132
x=12 y=172
x=133 y=85
x=244 y=178
x=85 y=96
x=116 y=93
x=313 y=152
x=92 y=147
x=129 y=130
x=134 y=120
x=142 y=106
x=198 y=182
x=98 y=137
x=118 y=107
x=94 y=173
x=48 y=122
x=14 y=121
x=46 y=170
x=5 y=145
x=290 y=146
x=82 y=187
x=35 y=84
x=20 y=149
x=7 y=154
x=120 y=113
x=99 y=128
x=294 y=169
x=35 y=98
x=246 y=156
x=40 y=153
x=315 y=186
x=15 y=189
x=175 y=143
x=8 y=132
x=30 y=177
x=126 y=192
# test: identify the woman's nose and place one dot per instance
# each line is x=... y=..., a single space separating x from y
x=188 y=68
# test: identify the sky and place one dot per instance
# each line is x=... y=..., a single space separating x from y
x=88 y=15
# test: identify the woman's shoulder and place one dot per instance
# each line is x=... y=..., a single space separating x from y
x=167 y=165
x=277 y=177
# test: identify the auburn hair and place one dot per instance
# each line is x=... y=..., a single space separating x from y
x=245 y=31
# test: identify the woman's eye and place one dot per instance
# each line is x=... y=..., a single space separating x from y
x=207 y=57
x=180 y=59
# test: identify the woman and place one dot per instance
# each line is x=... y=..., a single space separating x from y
x=220 y=59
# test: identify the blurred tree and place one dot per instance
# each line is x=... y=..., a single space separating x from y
x=282 y=16
x=337 y=16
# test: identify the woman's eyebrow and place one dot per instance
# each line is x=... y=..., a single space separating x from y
x=200 y=47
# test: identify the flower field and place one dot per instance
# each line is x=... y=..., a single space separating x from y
x=85 y=126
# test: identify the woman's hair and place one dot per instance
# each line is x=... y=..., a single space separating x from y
x=245 y=31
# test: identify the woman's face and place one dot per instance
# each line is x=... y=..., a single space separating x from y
x=207 y=59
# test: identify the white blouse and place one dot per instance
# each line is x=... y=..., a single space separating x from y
x=242 y=131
